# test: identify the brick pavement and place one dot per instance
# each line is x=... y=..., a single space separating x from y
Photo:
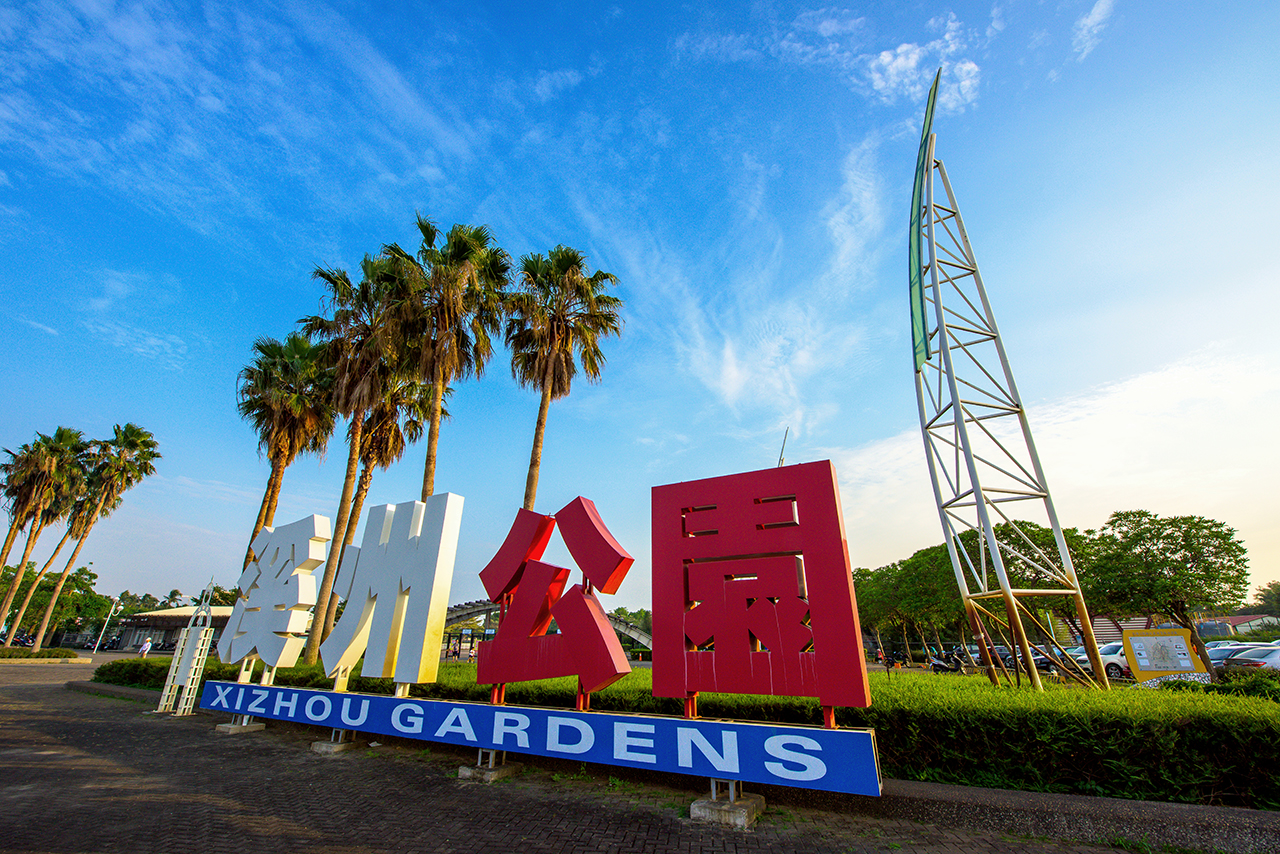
x=82 y=773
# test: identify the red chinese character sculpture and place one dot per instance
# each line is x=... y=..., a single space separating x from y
x=532 y=593
x=752 y=592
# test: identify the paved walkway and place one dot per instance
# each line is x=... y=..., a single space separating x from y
x=82 y=773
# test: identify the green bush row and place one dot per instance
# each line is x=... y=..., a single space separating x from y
x=1214 y=746
x=44 y=653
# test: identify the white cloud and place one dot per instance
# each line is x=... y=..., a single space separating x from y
x=907 y=70
x=1088 y=29
x=1192 y=438
x=997 y=22
x=551 y=83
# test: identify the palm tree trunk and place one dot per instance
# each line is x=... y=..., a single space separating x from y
x=275 y=498
x=31 y=591
x=362 y=489
x=57 y=588
x=277 y=473
x=14 y=527
x=535 y=457
x=433 y=432
x=312 y=653
x=19 y=571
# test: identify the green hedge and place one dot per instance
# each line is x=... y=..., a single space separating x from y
x=18 y=652
x=1192 y=746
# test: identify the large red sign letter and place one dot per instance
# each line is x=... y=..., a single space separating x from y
x=752 y=591
x=532 y=593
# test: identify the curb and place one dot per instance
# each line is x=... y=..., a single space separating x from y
x=4 y=662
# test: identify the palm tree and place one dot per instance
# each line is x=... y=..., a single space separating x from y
x=285 y=394
x=119 y=463
x=40 y=474
x=558 y=312
x=68 y=493
x=396 y=422
x=361 y=345
x=453 y=301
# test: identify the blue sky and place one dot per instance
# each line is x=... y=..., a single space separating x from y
x=170 y=175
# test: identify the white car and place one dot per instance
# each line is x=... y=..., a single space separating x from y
x=1113 y=660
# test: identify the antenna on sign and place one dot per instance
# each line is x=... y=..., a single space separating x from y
x=781 y=458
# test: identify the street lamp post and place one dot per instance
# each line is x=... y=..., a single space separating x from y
x=116 y=607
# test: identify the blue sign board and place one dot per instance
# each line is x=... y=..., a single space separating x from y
x=834 y=760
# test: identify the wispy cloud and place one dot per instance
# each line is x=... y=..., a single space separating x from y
x=166 y=348
x=551 y=83
x=48 y=330
x=1088 y=29
x=838 y=39
x=721 y=47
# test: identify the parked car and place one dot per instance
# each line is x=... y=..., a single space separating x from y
x=1113 y=660
x=1038 y=656
x=1265 y=656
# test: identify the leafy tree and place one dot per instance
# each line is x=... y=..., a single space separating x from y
x=556 y=319
x=452 y=302
x=78 y=607
x=118 y=464
x=1267 y=599
x=285 y=393
x=641 y=618
x=1175 y=566
x=135 y=603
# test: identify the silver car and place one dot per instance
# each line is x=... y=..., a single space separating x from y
x=1113 y=660
x=1254 y=658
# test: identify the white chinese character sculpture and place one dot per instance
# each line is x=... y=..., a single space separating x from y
x=397 y=586
x=277 y=593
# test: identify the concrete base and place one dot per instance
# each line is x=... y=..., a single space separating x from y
x=742 y=813
x=331 y=748
x=239 y=729
x=485 y=774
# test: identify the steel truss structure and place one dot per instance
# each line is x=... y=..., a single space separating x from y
x=982 y=459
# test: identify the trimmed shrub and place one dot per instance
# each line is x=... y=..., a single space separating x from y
x=44 y=653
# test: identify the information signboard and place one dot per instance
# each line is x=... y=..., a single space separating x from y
x=1160 y=652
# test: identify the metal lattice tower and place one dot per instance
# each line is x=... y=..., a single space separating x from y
x=982 y=459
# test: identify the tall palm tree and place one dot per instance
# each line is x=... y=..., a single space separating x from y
x=119 y=463
x=360 y=339
x=452 y=303
x=68 y=494
x=393 y=424
x=285 y=393
x=558 y=313
x=41 y=473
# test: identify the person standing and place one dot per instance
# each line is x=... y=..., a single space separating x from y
x=145 y=648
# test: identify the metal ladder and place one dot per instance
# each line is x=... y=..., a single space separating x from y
x=188 y=660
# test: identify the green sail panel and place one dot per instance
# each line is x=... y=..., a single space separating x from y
x=919 y=340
